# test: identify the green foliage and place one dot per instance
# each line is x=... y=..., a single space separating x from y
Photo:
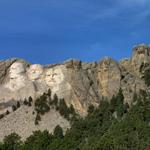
x=14 y=108
x=1 y=116
x=55 y=100
x=117 y=104
x=38 y=141
x=18 y=104
x=63 y=109
x=135 y=97
x=41 y=105
x=25 y=102
x=1 y=146
x=72 y=110
x=99 y=130
x=147 y=77
x=61 y=106
x=120 y=97
x=58 y=132
x=37 y=119
x=12 y=142
x=44 y=103
x=49 y=93
x=7 y=112
x=90 y=109
x=30 y=100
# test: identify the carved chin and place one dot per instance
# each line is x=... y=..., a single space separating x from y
x=34 y=76
x=16 y=83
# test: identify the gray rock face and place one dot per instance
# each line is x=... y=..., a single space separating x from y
x=67 y=80
x=80 y=84
x=22 y=122
x=141 y=55
x=109 y=77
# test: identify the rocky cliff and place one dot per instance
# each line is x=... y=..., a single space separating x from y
x=80 y=84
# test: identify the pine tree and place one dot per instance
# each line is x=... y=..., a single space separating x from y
x=55 y=100
x=30 y=99
x=72 y=110
x=90 y=109
x=58 y=132
x=18 y=104
x=14 y=108
x=12 y=142
x=63 y=109
x=49 y=92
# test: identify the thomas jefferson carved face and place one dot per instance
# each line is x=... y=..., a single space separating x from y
x=35 y=71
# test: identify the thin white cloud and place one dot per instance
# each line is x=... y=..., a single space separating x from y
x=140 y=3
x=131 y=11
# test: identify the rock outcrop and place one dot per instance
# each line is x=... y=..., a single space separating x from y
x=141 y=55
x=108 y=77
x=80 y=84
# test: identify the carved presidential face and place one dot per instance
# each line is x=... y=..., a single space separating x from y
x=35 y=72
x=17 y=76
x=17 y=69
x=54 y=76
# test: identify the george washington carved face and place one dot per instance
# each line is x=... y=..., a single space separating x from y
x=17 y=69
x=17 y=76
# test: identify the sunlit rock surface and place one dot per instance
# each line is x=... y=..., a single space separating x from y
x=79 y=83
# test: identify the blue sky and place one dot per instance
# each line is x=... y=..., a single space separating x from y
x=50 y=31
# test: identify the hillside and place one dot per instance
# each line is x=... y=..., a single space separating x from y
x=111 y=126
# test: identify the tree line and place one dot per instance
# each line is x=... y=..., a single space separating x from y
x=114 y=125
